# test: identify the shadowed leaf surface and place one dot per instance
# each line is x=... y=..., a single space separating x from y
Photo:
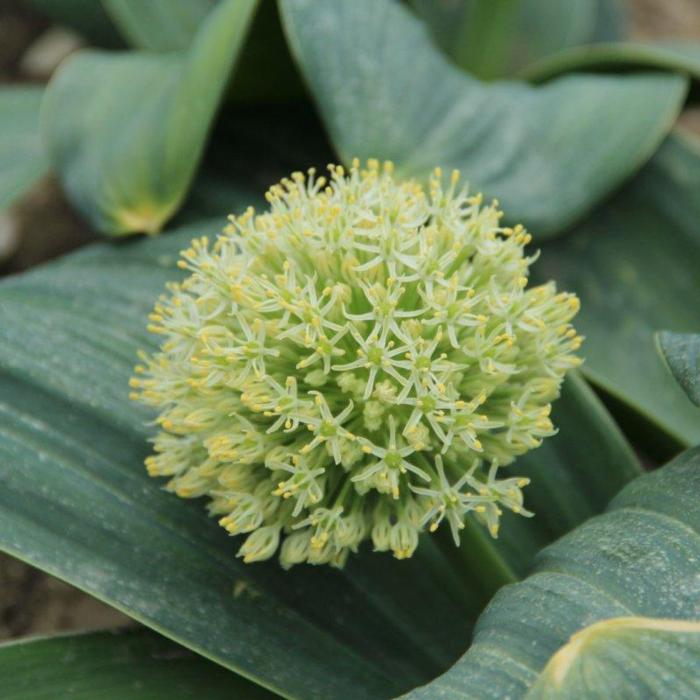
x=87 y=17
x=131 y=665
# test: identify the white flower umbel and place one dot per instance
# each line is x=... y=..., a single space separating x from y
x=355 y=363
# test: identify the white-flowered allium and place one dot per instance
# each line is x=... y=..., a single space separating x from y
x=357 y=363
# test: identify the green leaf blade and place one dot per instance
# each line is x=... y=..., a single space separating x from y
x=177 y=573
x=126 y=131
x=22 y=158
x=677 y=57
x=159 y=25
x=126 y=665
x=86 y=17
x=681 y=351
x=641 y=253
x=76 y=501
x=386 y=92
x=638 y=654
x=524 y=30
x=637 y=560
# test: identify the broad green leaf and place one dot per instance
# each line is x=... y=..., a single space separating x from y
x=493 y=38
x=640 y=559
x=265 y=70
x=681 y=351
x=634 y=264
x=678 y=57
x=22 y=159
x=634 y=657
x=126 y=130
x=129 y=665
x=87 y=17
x=76 y=501
x=385 y=91
x=159 y=25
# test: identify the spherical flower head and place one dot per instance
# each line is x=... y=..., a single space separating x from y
x=357 y=363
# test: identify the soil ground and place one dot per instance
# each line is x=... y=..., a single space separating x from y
x=43 y=226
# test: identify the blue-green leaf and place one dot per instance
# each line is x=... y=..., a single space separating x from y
x=126 y=130
x=159 y=25
x=22 y=158
x=634 y=265
x=86 y=17
x=681 y=351
x=75 y=500
x=677 y=57
x=633 y=571
x=494 y=38
x=385 y=91
x=126 y=665
x=637 y=657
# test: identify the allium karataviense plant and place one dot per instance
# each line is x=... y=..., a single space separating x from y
x=358 y=362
